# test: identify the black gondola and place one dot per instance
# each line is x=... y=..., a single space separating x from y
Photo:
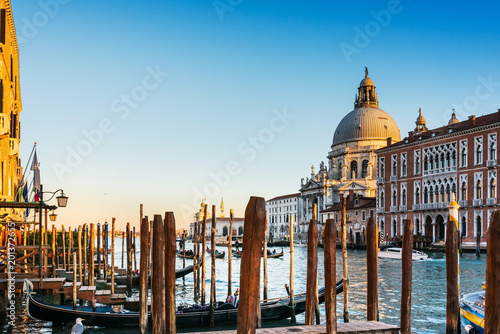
x=107 y=316
x=122 y=279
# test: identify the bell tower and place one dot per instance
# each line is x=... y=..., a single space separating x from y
x=420 y=122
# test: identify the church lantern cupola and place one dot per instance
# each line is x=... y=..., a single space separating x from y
x=366 y=97
x=420 y=122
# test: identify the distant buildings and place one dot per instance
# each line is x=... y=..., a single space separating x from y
x=418 y=176
x=10 y=108
x=221 y=223
x=279 y=212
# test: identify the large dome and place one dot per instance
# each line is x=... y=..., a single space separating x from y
x=366 y=123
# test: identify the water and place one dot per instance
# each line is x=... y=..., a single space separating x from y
x=428 y=288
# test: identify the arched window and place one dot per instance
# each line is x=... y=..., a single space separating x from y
x=403 y=201
x=224 y=231
x=426 y=166
x=436 y=162
x=417 y=196
x=493 y=188
x=394 y=228
x=431 y=195
x=417 y=226
x=442 y=160
x=478 y=189
x=354 y=169
x=240 y=230
x=464 y=191
x=382 y=170
x=454 y=190
x=464 y=226
x=448 y=190
x=425 y=196
x=448 y=162
x=479 y=154
x=382 y=199
x=394 y=198
x=479 y=230
x=436 y=194
x=431 y=162
x=364 y=169
x=417 y=165
x=454 y=158
x=442 y=194
x=493 y=150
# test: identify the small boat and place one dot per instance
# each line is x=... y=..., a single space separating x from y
x=186 y=317
x=299 y=244
x=218 y=255
x=188 y=255
x=269 y=254
x=122 y=279
x=472 y=312
x=396 y=253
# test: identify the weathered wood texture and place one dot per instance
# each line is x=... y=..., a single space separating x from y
x=203 y=251
x=406 y=277
x=80 y=254
x=112 y=256
x=312 y=272
x=372 y=270
x=129 y=259
x=158 y=281
x=212 y=272
x=91 y=255
x=74 y=279
x=452 y=293
x=330 y=263
x=253 y=236
x=170 y=255
x=292 y=255
x=143 y=278
x=343 y=223
x=230 y=253
x=492 y=317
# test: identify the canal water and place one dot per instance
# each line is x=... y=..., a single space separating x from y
x=428 y=310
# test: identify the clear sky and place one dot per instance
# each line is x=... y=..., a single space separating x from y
x=167 y=102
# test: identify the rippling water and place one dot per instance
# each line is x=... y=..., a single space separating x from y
x=428 y=288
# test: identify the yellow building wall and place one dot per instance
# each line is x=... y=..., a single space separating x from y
x=10 y=108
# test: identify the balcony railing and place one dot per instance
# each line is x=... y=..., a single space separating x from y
x=416 y=207
x=477 y=202
x=380 y=180
x=463 y=203
x=402 y=208
x=491 y=201
x=394 y=209
x=394 y=178
x=4 y=124
x=491 y=163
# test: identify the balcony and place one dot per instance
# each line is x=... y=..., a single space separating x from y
x=13 y=147
x=394 y=178
x=380 y=180
x=477 y=202
x=416 y=207
x=402 y=208
x=394 y=209
x=491 y=201
x=491 y=163
x=380 y=210
x=463 y=203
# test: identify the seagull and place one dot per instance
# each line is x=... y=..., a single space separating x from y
x=78 y=327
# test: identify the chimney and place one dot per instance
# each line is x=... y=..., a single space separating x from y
x=411 y=136
x=351 y=195
x=389 y=141
x=472 y=120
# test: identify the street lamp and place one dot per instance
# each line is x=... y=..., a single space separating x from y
x=62 y=200
x=53 y=216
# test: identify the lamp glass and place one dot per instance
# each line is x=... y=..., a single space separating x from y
x=62 y=201
x=53 y=217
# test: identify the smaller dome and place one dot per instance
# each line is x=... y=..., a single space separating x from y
x=420 y=118
x=366 y=82
x=453 y=119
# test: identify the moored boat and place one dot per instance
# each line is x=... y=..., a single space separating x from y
x=186 y=317
x=397 y=253
x=472 y=312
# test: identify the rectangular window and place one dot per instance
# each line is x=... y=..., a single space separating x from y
x=394 y=170
x=403 y=164
x=478 y=150
x=363 y=215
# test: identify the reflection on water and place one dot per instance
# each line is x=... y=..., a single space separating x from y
x=428 y=288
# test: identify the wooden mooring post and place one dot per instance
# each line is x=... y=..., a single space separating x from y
x=74 y=279
x=407 y=258
x=230 y=253
x=123 y=248
x=158 y=280
x=63 y=235
x=143 y=278
x=212 y=276
x=343 y=222
x=292 y=254
x=91 y=255
x=330 y=263
x=312 y=270
x=129 y=259
x=195 y=260
x=80 y=253
x=54 y=253
x=264 y=260
x=170 y=255
x=492 y=303
x=134 y=250
x=253 y=236
x=112 y=256
x=452 y=271
x=84 y=231
x=204 y=239
x=372 y=270
x=99 y=250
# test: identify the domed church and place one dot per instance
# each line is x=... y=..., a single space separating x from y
x=351 y=166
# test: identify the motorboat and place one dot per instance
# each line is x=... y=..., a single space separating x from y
x=396 y=253
x=472 y=312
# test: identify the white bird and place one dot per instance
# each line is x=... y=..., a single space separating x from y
x=78 y=327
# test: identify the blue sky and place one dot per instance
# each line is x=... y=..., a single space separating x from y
x=167 y=102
